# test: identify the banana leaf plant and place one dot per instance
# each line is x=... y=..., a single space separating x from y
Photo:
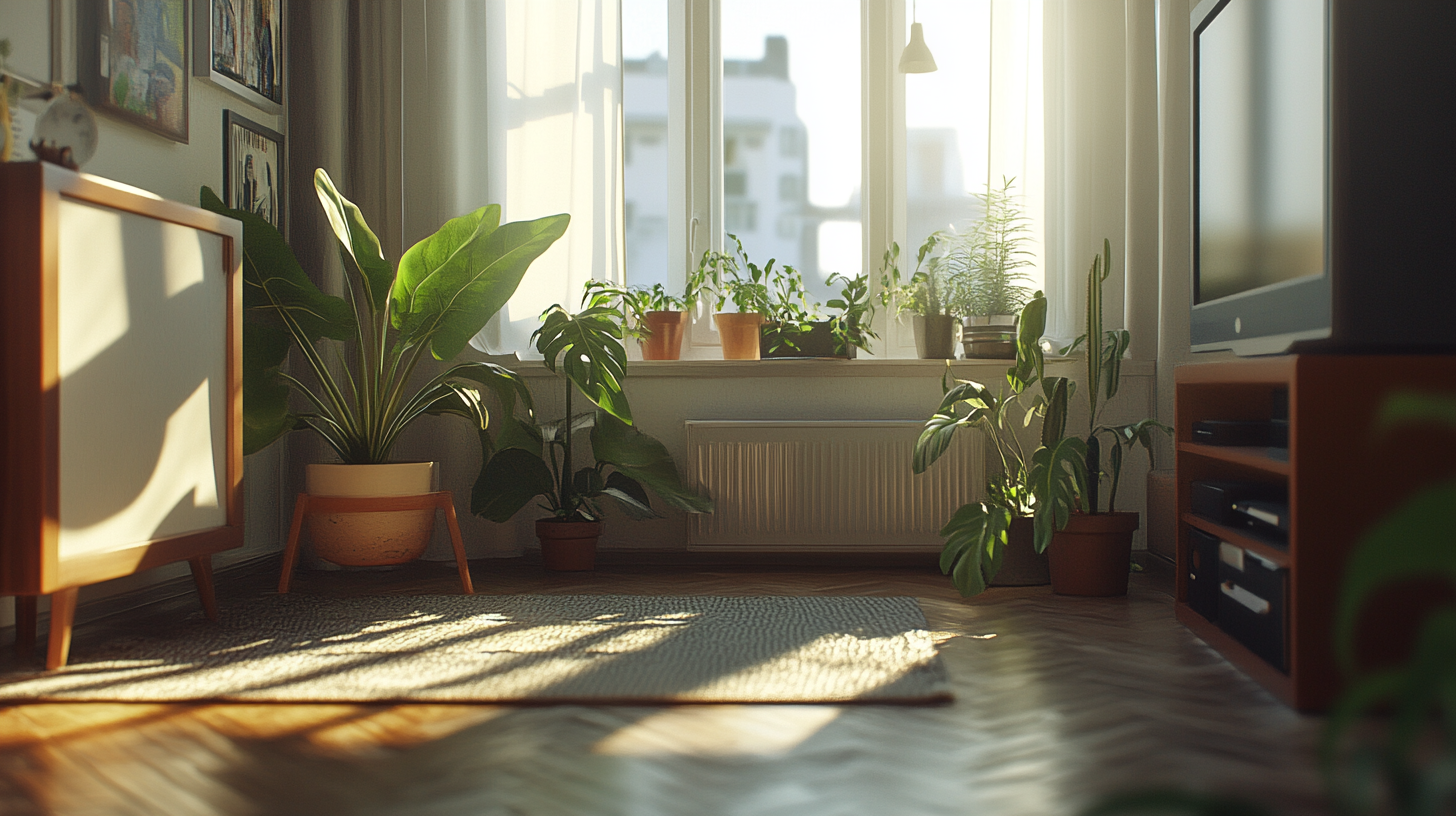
x=976 y=535
x=361 y=352
x=1067 y=472
x=537 y=460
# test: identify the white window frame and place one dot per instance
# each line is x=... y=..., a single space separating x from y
x=695 y=150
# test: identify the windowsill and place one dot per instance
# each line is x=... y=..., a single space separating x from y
x=819 y=368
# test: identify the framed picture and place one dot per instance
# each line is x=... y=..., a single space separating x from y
x=132 y=60
x=253 y=168
x=240 y=48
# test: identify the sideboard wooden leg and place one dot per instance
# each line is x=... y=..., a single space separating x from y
x=63 y=616
x=290 y=552
x=202 y=576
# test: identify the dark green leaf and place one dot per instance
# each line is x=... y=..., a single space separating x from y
x=934 y=440
x=508 y=482
x=265 y=396
x=645 y=460
x=587 y=348
x=1054 y=423
x=1057 y=477
x=631 y=495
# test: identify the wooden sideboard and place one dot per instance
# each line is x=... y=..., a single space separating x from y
x=121 y=324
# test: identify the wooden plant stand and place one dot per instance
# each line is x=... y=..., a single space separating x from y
x=307 y=505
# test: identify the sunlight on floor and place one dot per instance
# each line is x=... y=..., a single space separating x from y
x=722 y=730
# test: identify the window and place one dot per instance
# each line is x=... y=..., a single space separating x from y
x=755 y=117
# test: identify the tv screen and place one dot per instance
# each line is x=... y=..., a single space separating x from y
x=1261 y=134
x=1261 y=148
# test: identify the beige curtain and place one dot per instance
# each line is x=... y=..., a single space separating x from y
x=1102 y=163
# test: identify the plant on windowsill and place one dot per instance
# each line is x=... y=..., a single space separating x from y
x=923 y=296
x=1090 y=548
x=988 y=266
x=530 y=459
x=734 y=279
x=362 y=394
x=654 y=317
x=990 y=542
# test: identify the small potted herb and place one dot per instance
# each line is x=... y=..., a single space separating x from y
x=653 y=316
x=924 y=296
x=736 y=280
x=988 y=264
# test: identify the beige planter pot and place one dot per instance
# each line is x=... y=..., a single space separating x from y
x=935 y=336
x=739 y=333
x=371 y=539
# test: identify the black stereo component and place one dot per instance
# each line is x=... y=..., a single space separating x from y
x=1231 y=432
x=1215 y=500
x=1202 y=560
x=1251 y=602
x=1263 y=515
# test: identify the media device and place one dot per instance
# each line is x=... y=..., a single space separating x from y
x=1215 y=499
x=1264 y=515
x=1323 y=166
x=1230 y=432
x=1251 y=602
x=1202 y=561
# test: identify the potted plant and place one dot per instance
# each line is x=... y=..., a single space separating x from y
x=923 y=296
x=743 y=283
x=531 y=460
x=795 y=327
x=991 y=542
x=364 y=393
x=1090 y=548
x=988 y=266
x=653 y=316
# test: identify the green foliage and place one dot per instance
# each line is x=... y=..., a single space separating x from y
x=361 y=353
x=733 y=278
x=531 y=460
x=986 y=265
x=976 y=535
x=851 y=326
x=634 y=302
x=925 y=291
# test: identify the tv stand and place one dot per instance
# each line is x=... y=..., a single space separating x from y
x=1342 y=474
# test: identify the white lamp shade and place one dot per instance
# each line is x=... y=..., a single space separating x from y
x=916 y=58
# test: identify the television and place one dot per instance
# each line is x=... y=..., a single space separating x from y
x=1324 y=176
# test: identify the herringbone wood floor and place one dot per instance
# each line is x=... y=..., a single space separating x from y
x=1059 y=700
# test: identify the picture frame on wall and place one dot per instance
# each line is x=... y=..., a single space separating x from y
x=132 y=59
x=254 y=168
x=240 y=47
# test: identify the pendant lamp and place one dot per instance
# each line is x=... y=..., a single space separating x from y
x=916 y=58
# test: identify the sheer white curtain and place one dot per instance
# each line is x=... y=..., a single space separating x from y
x=1102 y=164
x=1016 y=147
x=553 y=141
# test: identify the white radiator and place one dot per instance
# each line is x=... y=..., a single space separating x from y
x=826 y=485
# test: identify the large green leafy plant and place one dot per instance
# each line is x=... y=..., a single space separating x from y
x=533 y=459
x=976 y=535
x=1065 y=471
x=987 y=264
x=361 y=353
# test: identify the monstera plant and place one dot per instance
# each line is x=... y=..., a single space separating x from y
x=361 y=354
x=539 y=460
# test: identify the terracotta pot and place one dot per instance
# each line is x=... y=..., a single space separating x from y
x=665 y=340
x=1022 y=565
x=989 y=337
x=371 y=539
x=934 y=336
x=568 y=546
x=1091 y=556
x=739 y=333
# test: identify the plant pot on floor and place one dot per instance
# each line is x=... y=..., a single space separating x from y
x=666 y=335
x=934 y=336
x=989 y=337
x=739 y=334
x=1092 y=554
x=1022 y=565
x=818 y=342
x=568 y=546
x=371 y=539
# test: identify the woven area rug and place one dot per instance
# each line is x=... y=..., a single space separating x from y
x=516 y=648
